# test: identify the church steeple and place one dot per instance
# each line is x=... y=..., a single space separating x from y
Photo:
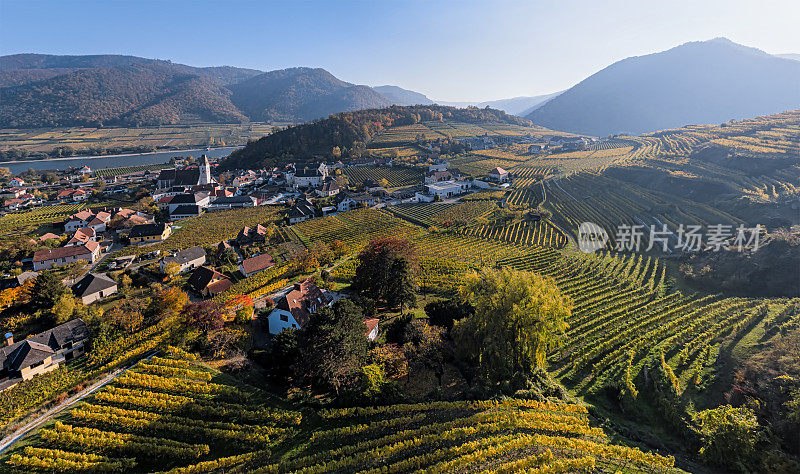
x=205 y=171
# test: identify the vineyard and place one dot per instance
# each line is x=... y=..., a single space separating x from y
x=165 y=136
x=541 y=234
x=28 y=221
x=167 y=412
x=210 y=228
x=511 y=435
x=396 y=176
x=111 y=172
x=443 y=214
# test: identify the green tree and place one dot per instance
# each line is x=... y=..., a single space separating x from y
x=518 y=317
x=401 y=288
x=63 y=308
x=446 y=312
x=47 y=290
x=334 y=346
x=378 y=270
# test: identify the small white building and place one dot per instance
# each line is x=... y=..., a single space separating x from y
x=49 y=258
x=94 y=287
x=188 y=259
x=447 y=189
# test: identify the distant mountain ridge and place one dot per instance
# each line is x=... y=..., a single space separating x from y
x=38 y=90
x=515 y=106
x=400 y=96
x=699 y=82
x=301 y=93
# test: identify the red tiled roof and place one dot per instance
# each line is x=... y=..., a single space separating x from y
x=305 y=298
x=370 y=323
x=63 y=252
x=257 y=263
x=219 y=286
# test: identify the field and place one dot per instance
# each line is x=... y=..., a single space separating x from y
x=110 y=172
x=162 y=137
x=443 y=214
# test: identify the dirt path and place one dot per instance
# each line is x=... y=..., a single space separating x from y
x=9 y=440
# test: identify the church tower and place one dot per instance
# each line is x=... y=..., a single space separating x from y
x=205 y=171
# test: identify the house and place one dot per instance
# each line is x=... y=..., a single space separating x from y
x=48 y=236
x=223 y=245
x=232 y=202
x=250 y=235
x=187 y=259
x=16 y=182
x=149 y=233
x=329 y=188
x=372 y=328
x=438 y=176
x=294 y=309
x=259 y=263
x=78 y=220
x=447 y=189
x=200 y=200
x=94 y=287
x=45 y=259
x=99 y=221
x=17 y=281
x=209 y=282
x=536 y=149
x=310 y=177
x=81 y=236
x=184 y=212
x=439 y=165
x=347 y=202
x=575 y=144
x=41 y=353
x=12 y=193
x=302 y=210
x=498 y=175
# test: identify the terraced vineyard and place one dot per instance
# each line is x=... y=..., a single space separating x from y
x=27 y=221
x=354 y=228
x=443 y=214
x=396 y=176
x=507 y=436
x=109 y=172
x=542 y=234
x=167 y=412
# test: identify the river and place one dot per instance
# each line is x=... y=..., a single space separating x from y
x=112 y=161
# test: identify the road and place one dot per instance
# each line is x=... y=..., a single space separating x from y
x=9 y=440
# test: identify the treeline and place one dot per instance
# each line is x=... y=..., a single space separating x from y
x=349 y=132
x=19 y=154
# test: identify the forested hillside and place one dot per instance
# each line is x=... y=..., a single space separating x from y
x=350 y=131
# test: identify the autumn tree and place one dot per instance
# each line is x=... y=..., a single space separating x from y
x=47 y=290
x=205 y=316
x=518 y=317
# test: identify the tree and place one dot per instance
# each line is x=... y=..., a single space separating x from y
x=204 y=316
x=125 y=284
x=47 y=290
x=401 y=285
x=378 y=270
x=168 y=301
x=518 y=317
x=285 y=352
x=171 y=269
x=334 y=345
x=445 y=312
x=63 y=308
x=729 y=436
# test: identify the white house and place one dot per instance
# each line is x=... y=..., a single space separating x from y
x=355 y=201
x=187 y=259
x=498 y=175
x=94 y=287
x=16 y=182
x=294 y=309
x=49 y=258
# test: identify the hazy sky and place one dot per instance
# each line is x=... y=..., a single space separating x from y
x=449 y=50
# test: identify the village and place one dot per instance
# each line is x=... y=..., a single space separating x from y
x=85 y=250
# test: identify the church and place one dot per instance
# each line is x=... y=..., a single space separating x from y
x=191 y=176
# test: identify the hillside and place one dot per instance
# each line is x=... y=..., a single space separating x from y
x=699 y=82
x=120 y=95
x=350 y=131
x=301 y=94
x=400 y=96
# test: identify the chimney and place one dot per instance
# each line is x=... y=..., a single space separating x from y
x=9 y=338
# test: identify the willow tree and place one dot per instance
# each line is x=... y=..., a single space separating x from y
x=519 y=316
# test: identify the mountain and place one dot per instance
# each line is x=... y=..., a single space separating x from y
x=400 y=96
x=133 y=94
x=18 y=69
x=301 y=94
x=516 y=106
x=794 y=56
x=700 y=82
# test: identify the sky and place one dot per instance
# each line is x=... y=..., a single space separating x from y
x=449 y=50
